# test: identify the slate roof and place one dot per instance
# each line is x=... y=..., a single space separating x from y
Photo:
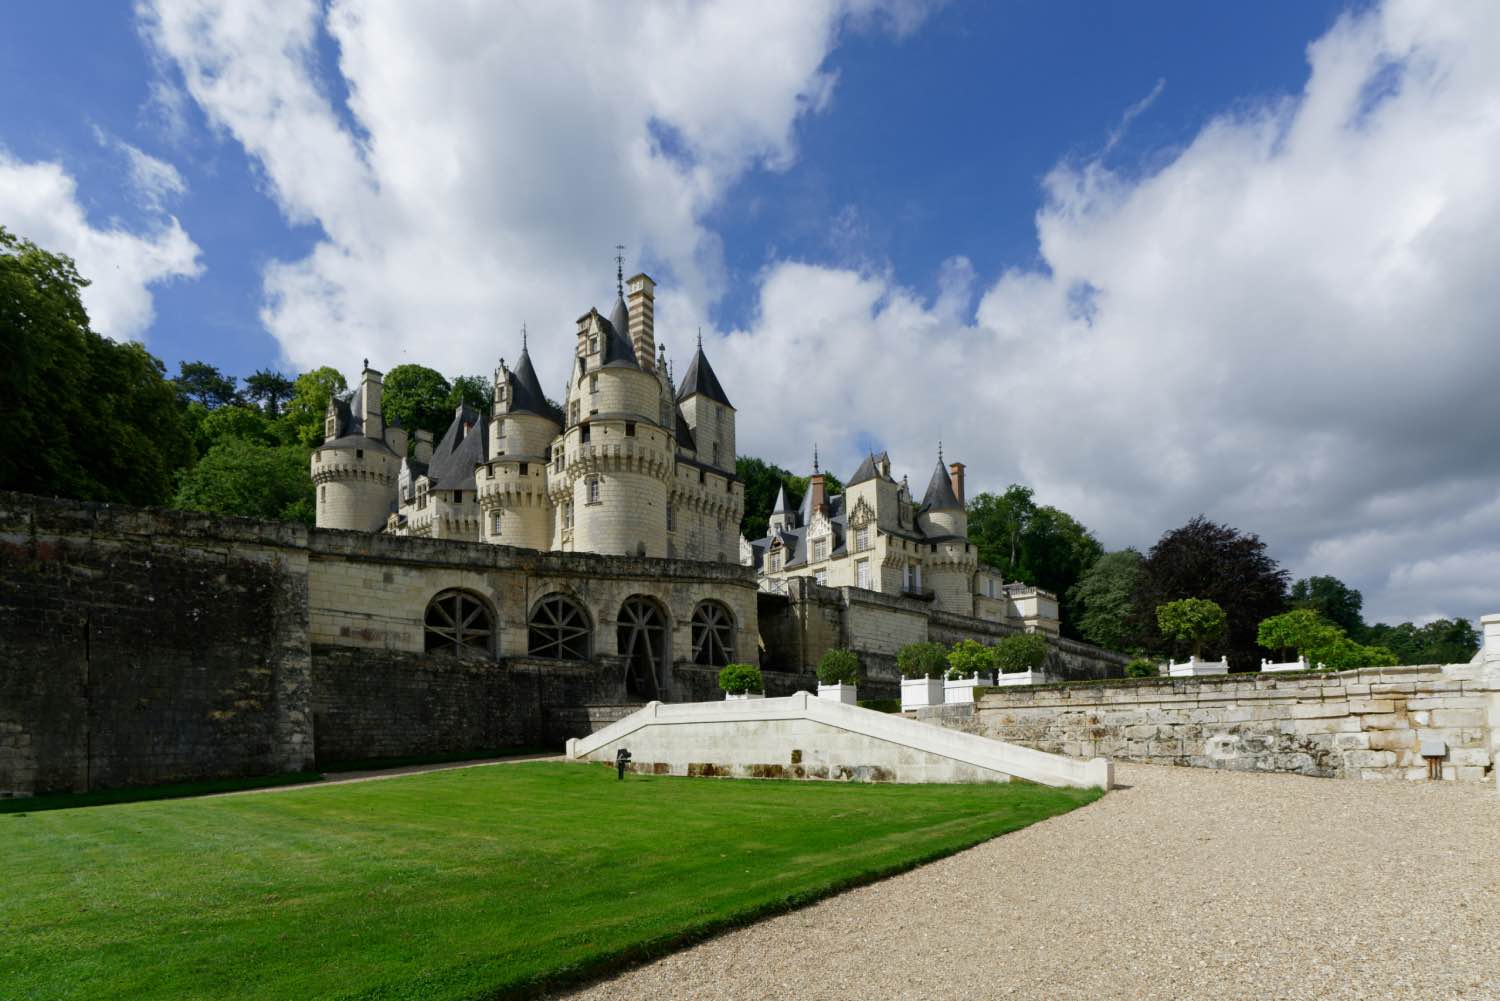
x=700 y=378
x=685 y=432
x=349 y=419
x=454 y=458
x=940 y=495
x=617 y=350
x=526 y=394
x=780 y=505
x=869 y=469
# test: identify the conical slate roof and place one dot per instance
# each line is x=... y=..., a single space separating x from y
x=618 y=351
x=526 y=394
x=780 y=507
x=940 y=495
x=700 y=378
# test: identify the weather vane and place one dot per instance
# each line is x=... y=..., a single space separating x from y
x=620 y=269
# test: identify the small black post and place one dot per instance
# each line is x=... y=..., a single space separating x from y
x=622 y=758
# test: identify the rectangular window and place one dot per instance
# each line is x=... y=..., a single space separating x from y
x=820 y=550
x=630 y=429
x=458 y=496
x=573 y=412
x=593 y=384
x=497 y=523
x=325 y=493
x=568 y=515
x=773 y=562
x=917 y=578
x=593 y=490
x=523 y=468
x=862 y=574
x=716 y=453
x=593 y=345
x=671 y=518
x=359 y=453
x=583 y=435
x=821 y=578
x=862 y=538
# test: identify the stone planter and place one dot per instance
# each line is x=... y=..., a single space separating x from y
x=961 y=690
x=1300 y=664
x=1022 y=678
x=838 y=693
x=1195 y=668
x=731 y=697
x=919 y=692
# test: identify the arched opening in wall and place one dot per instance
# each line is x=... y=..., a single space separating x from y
x=458 y=620
x=559 y=629
x=713 y=634
x=643 y=634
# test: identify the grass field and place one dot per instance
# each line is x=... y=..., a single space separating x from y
x=455 y=884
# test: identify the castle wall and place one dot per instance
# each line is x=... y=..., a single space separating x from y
x=141 y=647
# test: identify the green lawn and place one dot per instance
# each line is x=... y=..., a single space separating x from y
x=454 y=884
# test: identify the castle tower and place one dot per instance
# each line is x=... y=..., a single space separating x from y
x=513 y=486
x=953 y=561
x=781 y=514
x=609 y=492
x=354 y=471
x=708 y=412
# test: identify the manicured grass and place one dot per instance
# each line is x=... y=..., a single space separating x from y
x=456 y=884
x=371 y=764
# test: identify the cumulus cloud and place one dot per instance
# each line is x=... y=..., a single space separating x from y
x=1288 y=325
x=472 y=167
x=40 y=201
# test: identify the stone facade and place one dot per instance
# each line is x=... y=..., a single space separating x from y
x=876 y=538
x=1367 y=724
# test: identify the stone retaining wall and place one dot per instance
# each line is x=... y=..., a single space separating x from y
x=1352 y=724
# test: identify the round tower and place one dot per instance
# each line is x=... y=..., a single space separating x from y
x=513 y=487
x=354 y=471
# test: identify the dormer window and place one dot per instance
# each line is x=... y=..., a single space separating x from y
x=862 y=538
x=593 y=344
x=819 y=550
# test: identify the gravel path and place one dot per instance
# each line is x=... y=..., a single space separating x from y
x=1188 y=884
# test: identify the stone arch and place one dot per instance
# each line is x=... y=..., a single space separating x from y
x=713 y=631
x=457 y=620
x=559 y=628
x=644 y=634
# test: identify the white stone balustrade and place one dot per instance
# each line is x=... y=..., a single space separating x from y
x=1195 y=668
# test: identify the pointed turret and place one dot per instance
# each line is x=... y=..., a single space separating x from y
x=616 y=349
x=526 y=394
x=942 y=514
x=700 y=378
x=940 y=496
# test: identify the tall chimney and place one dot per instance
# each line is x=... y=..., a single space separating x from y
x=369 y=387
x=640 y=301
x=956 y=477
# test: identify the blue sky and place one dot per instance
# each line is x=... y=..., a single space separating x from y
x=1153 y=260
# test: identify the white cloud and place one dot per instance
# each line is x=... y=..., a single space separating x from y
x=487 y=159
x=40 y=201
x=154 y=182
x=1289 y=326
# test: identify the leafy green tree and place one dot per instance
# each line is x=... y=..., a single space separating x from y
x=1340 y=653
x=1206 y=560
x=997 y=525
x=474 y=391
x=1102 y=600
x=1020 y=652
x=302 y=421
x=1441 y=641
x=839 y=667
x=200 y=382
x=1142 y=667
x=252 y=480
x=84 y=416
x=1301 y=629
x=762 y=479
x=922 y=660
x=268 y=390
x=1192 y=620
x=1333 y=599
x=418 y=396
x=237 y=421
x=970 y=657
x=737 y=679
x=1035 y=544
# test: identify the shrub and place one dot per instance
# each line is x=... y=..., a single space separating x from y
x=1302 y=629
x=838 y=667
x=968 y=658
x=1021 y=652
x=1142 y=667
x=1193 y=620
x=737 y=679
x=881 y=705
x=922 y=660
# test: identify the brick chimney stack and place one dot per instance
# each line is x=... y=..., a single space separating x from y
x=956 y=477
x=640 y=301
x=816 y=488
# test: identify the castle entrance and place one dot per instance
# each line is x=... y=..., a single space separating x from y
x=643 y=639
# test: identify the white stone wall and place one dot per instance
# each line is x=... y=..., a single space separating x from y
x=353 y=491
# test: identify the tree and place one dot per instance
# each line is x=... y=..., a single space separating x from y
x=1205 y=560
x=84 y=416
x=200 y=382
x=838 y=667
x=1192 y=620
x=1441 y=641
x=922 y=660
x=997 y=525
x=302 y=422
x=1038 y=545
x=1333 y=599
x=1101 y=601
x=473 y=391
x=251 y=480
x=418 y=397
x=762 y=479
x=268 y=390
x=1020 y=652
x=1301 y=629
x=238 y=421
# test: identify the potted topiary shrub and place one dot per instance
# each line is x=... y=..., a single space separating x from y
x=922 y=666
x=1020 y=659
x=1142 y=667
x=742 y=681
x=970 y=665
x=838 y=673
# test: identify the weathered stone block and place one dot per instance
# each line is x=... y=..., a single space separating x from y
x=1369 y=759
x=1363 y=706
x=1318 y=710
x=1458 y=717
x=1392 y=740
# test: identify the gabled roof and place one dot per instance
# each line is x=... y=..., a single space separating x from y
x=700 y=378
x=940 y=495
x=617 y=350
x=526 y=394
x=869 y=469
x=454 y=458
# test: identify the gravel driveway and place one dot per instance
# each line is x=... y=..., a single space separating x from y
x=1187 y=884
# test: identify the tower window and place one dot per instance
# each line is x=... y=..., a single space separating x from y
x=523 y=468
x=862 y=574
x=497 y=523
x=325 y=494
x=593 y=345
x=593 y=489
x=716 y=453
x=630 y=429
x=568 y=515
x=820 y=549
x=671 y=518
x=593 y=384
x=583 y=432
x=359 y=453
x=862 y=538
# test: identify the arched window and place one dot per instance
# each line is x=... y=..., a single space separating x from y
x=559 y=629
x=457 y=620
x=642 y=634
x=713 y=634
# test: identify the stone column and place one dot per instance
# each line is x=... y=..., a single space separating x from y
x=1490 y=674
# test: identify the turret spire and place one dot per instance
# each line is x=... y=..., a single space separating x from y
x=815 y=457
x=620 y=269
x=523 y=335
